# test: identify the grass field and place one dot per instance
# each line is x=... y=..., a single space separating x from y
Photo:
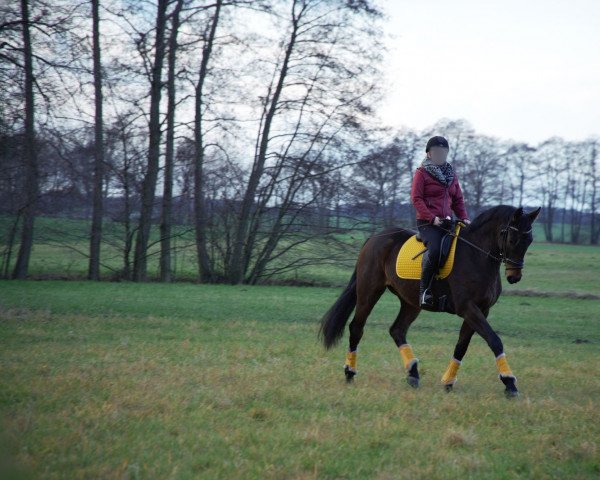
x=61 y=245
x=121 y=380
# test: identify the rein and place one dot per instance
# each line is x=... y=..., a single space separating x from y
x=502 y=258
x=518 y=264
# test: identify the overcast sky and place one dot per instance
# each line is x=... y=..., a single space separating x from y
x=519 y=69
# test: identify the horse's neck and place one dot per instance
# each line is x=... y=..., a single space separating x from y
x=485 y=237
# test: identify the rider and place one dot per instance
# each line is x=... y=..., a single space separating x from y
x=435 y=194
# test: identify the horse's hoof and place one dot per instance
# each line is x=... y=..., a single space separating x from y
x=448 y=388
x=349 y=375
x=511 y=387
x=413 y=381
x=511 y=393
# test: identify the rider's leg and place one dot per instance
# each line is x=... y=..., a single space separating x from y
x=428 y=270
x=432 y=237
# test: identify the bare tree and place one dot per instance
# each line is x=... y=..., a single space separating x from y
x=204 y=264
x=125 y=145
x=520 y=161
x=550 y=168
x=167 y=200
x=479 y=173
x=595 y=186
x=575 y=192
x=29 y=151
x=308 y=96
x=376 y=180
x=154 y=134
x=10 y=187
x=97 y=212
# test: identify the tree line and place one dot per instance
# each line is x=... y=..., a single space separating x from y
x=249 y=125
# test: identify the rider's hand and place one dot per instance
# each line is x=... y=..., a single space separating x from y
x=437 y=222
x=466 y=221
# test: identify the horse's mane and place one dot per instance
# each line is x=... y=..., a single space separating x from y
x=498 y=212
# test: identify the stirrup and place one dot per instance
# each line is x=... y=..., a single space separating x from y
x=426 y=298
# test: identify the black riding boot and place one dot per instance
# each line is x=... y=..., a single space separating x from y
x=427 y=273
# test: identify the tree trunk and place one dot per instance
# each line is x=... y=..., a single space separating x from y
x=204 y=266
x=562 y=225
x=594 y=232
x=128 y=236
x=167 y=201
x=29 y=153
x=149 y=183
x=577 y=213
x=10 y=241
x=96 y=229
x=521 y=187
x=549 y=210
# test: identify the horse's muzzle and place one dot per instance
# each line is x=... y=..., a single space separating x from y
x=513 y=275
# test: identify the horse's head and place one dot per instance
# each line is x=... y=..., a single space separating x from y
x=515 y=239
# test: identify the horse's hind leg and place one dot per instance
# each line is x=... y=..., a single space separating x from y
x=408 y=313
x=464 y=338
x=365 y=303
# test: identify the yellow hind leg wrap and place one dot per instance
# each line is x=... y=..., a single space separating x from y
x=408 y=357
x=503 y=368
x=449 y=377
x=351 y=361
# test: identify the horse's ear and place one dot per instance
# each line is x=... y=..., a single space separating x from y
x=517 y=215
x=533 y=215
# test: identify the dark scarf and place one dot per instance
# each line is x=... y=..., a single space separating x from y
x=443 y=173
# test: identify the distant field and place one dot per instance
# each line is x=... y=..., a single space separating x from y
x=62 y=244
x=123 y=380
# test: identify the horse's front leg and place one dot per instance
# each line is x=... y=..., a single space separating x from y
x=464 y=338
x=477 y=321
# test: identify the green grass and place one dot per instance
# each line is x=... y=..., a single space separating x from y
x=108 y=380
x=61 y=244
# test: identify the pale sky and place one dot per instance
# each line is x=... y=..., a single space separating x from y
x=515 y=69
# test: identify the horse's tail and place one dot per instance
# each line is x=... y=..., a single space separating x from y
x=334 y=321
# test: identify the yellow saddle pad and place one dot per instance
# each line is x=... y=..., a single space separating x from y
x=409 y=268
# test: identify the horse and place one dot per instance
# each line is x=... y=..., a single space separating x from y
x=499 y=235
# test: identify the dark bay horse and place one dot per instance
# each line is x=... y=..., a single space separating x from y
x=501 y=234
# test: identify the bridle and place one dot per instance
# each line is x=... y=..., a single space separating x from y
x=501 y=258
x=519 y=264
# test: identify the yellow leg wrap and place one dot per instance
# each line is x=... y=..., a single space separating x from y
x=408 y=357
x=503 y=368
x=351 y=361
x=449 y=377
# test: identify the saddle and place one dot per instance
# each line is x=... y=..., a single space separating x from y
x=408 y=262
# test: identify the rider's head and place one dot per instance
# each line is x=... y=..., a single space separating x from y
x=437 y=150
